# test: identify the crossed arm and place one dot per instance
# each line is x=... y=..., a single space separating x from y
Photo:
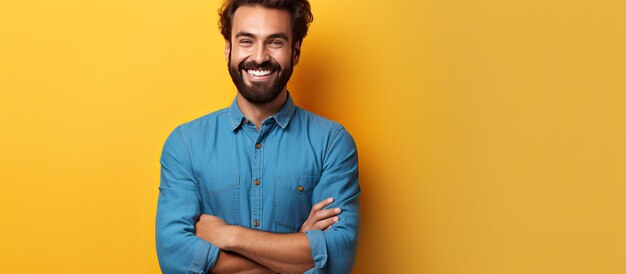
x=187 y=244
x=245 y=250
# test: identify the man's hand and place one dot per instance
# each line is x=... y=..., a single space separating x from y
x=319 y=218
x=264 y=251
x=220 y=234
x=213 y=230
x=258 y=249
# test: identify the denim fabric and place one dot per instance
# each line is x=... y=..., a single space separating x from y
x=211 y=166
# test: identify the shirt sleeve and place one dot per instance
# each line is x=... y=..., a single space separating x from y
x=334 y=249
x=178 y=209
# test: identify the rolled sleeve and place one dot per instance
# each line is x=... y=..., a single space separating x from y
x=317 y=242
x=204 y=257
x=334 y=249
x=178 y=209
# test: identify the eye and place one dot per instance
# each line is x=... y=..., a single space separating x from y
x=245 y=42
x=276 y=43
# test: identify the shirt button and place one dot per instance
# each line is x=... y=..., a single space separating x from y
x=300 y=188
x=256 y=223
x=257 y=182
x=246 y=121
x=258 y=146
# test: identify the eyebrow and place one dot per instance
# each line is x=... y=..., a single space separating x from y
x=274 y=35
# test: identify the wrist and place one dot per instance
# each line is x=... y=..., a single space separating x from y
x=233 y=235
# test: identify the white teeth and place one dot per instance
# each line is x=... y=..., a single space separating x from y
x=259 y=72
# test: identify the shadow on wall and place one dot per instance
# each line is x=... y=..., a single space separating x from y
x=312 y=79
x=314 y=88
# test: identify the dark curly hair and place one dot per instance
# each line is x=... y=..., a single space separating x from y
x=300 y=10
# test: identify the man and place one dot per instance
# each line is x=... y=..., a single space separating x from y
x=262 y=186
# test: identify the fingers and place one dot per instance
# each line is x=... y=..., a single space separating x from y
x=321 y=218
x=326 y=223
x=322 y=204
x=325 y=214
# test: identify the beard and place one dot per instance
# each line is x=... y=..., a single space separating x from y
x=260 y=92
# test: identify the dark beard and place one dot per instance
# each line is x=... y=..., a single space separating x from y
x=260 y=93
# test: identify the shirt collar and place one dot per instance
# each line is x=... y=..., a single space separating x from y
x=282 y=117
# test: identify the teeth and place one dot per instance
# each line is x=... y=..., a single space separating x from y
x=259 y=72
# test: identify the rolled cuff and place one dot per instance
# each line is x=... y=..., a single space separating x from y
x=204 y=258
x=317 y=242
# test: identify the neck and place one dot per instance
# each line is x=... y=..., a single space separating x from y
x=258 y=113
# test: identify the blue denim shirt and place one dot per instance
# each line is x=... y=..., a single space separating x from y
x=211 y=166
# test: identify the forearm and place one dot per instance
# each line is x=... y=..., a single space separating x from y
x=284 y=253
x=228 y=262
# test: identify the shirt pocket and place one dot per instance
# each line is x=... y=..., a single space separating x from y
x=220 y=197
x=292 y=201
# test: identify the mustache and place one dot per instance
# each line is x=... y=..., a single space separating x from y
x=267 y=65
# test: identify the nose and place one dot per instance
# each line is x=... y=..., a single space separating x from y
x=260 y=54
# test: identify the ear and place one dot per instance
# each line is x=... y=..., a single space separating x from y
x=227 y=50
x=296 y=52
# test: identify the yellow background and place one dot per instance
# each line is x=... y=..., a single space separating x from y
x=491 y=134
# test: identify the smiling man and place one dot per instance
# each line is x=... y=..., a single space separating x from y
x=262 y=186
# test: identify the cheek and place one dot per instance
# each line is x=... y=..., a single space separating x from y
x=283 y=58
x=238 y=55
x=235 y=61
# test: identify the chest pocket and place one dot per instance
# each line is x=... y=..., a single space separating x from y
x=220 y=197
x=292 y=201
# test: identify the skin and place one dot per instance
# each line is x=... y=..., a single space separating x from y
x=265 y=27
x=260 y=34
x=244 y=250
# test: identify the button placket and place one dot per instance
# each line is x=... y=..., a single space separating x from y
x=256 y=202
x=256 y=196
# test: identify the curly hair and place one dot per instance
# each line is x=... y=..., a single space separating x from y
x=300 y=11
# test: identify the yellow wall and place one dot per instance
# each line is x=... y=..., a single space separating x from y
x=491 y=133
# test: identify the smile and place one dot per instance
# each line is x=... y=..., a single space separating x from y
x=259 y=74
